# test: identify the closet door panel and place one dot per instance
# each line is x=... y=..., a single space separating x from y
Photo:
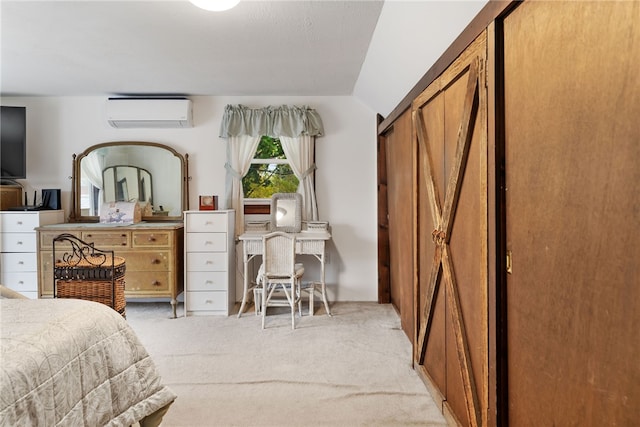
x=572 y=205
x=432 y=117
x=468 y=250
x=450 y=123
x=400 y=156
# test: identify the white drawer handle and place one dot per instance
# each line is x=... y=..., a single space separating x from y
x=208 y=242
x=209 y=282
x=209 y=262
x=208 y=301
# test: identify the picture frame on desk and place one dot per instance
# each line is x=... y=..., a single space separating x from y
x=208 y=203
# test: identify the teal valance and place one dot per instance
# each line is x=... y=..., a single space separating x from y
x=290 y=121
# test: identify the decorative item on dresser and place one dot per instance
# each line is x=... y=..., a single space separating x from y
x=153 y=252
x=209 y=260
x=10 y=196
x=18 y=246
x=208 y=203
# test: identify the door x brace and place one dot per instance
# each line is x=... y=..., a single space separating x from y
x=442 y=263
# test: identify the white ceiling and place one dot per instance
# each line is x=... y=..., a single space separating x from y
x=65 y=48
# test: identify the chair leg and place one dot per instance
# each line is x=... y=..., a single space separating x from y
x=257 y=299
x=312 y=291
x=263 y=301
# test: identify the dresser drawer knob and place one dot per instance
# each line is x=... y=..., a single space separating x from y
x=19 y=242
x=20 y=262
x=155 y=283
x=208 y=301
x=152 y=238
x=155 y=261
x=89 y=235
x=123 y=235
x=20 y=282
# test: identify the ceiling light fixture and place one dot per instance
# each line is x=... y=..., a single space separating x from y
x=215 y=5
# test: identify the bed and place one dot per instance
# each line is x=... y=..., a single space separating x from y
x=70 y=362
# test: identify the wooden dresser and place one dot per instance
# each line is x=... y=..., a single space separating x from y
x=153 y=253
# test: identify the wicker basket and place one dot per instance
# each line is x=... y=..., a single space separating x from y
x=92 y=279
x=94 y=290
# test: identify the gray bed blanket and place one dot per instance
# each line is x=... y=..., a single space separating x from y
x=73 y=363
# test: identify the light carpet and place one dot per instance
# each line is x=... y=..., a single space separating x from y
x=352 y=369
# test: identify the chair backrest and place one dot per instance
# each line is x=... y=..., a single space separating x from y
x=278 y=254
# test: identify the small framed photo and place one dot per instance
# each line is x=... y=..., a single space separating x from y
x=208 y=203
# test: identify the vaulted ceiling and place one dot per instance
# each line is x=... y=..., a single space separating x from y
x=374 y=50
x=172 y=47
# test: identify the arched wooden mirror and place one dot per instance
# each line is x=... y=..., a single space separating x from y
x=153 y=174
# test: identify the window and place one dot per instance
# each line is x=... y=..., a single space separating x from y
x=269 y=173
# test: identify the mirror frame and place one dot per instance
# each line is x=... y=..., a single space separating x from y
x=76 y=215
x=297 y=220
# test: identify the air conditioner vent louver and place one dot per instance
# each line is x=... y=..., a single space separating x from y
x=149 y=113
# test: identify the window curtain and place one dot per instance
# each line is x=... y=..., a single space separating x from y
x=240 y=152
x=92 y=167
x=300 y=151
x=297 y=128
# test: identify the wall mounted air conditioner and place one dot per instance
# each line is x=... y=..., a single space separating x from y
x=149 y=112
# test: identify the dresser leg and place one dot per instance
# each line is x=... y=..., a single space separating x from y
x=174 y=304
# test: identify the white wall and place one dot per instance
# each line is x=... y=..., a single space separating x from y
x=409 y=38
x=58 y=127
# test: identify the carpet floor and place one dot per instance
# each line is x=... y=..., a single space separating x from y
x=352 y=369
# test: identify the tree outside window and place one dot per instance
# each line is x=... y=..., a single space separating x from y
x=270 y=172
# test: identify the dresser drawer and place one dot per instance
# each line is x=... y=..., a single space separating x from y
x=206 y=242
x=206 y=301
x=18 y=222
x=17 y=242
x=146 y=260
x=146 y=281
x=20 y=281
x=207 y=223
x=46 y=239
x=107 y=239
x=207 y=261
x=19 y=262
x=207 y=281
x=144 y=239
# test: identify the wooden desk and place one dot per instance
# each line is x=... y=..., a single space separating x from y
x=307 y=243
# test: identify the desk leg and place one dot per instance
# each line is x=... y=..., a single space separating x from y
x=323 y=284
x=245 y=286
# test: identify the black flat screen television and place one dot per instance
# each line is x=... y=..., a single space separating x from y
x=13 y=142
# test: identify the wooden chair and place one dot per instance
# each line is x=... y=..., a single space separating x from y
x=279 y=273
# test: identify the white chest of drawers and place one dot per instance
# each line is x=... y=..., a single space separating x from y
x=209 y=262
x=18 y=248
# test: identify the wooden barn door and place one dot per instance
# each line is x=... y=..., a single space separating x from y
x=451 y=349
x=400 y=191
x=572 y=147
